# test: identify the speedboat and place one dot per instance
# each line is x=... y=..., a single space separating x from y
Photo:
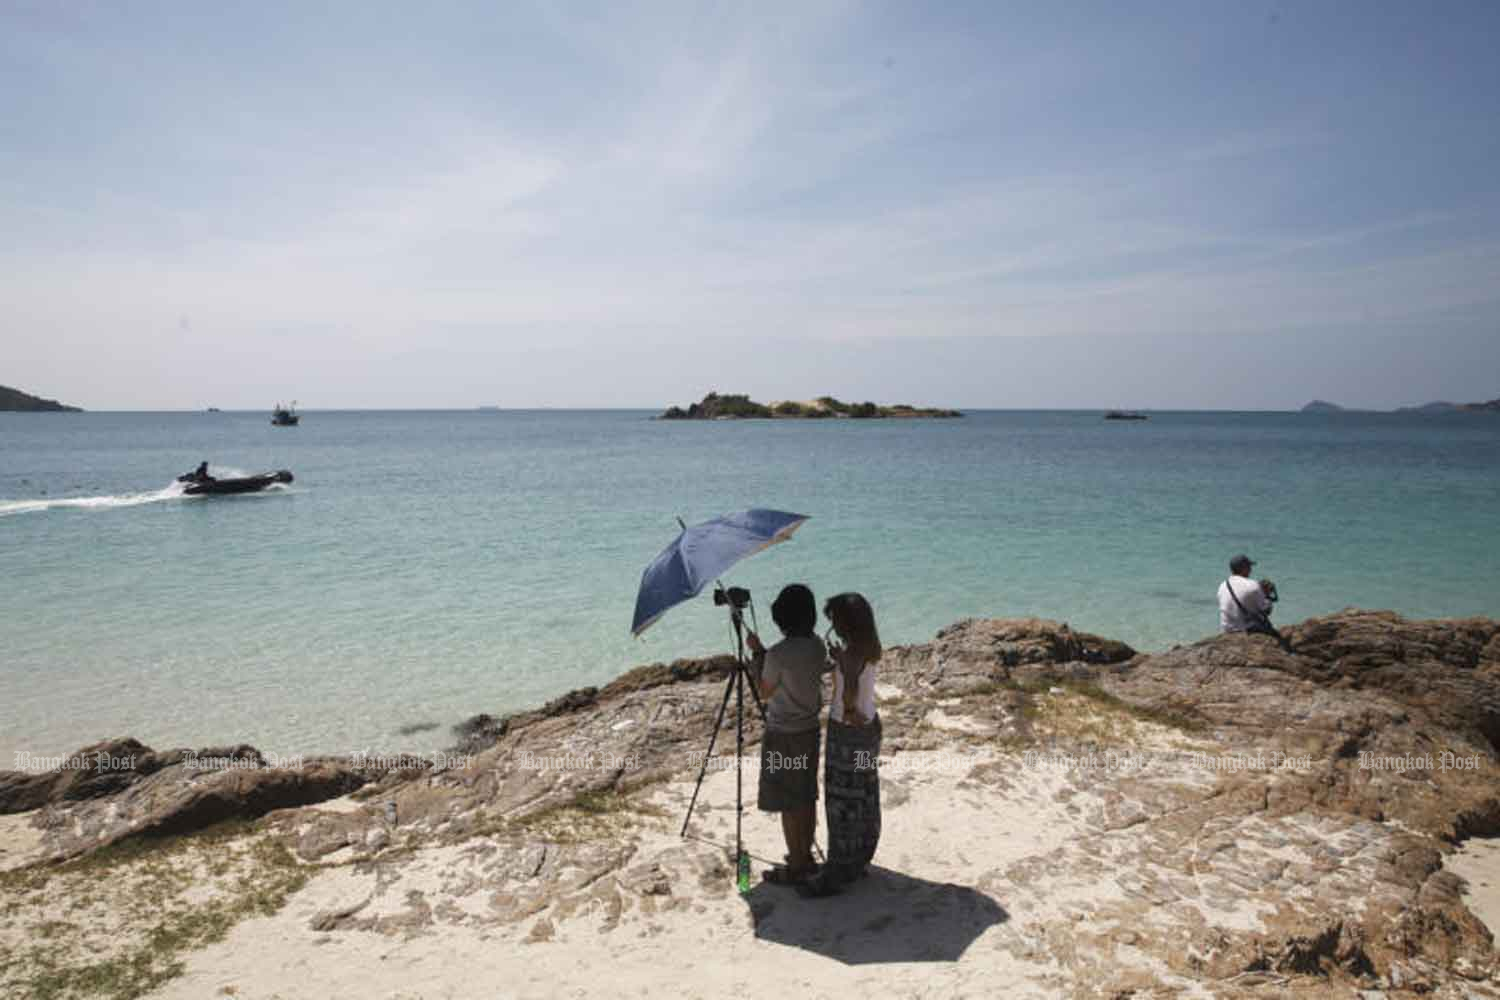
x=201 y=485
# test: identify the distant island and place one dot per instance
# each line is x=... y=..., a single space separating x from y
x=1438 y=407
x=738 y=407
x=1493 y=406
x=17 y=401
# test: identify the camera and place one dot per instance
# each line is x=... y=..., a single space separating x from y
x=1269 y=589
x=736 y=597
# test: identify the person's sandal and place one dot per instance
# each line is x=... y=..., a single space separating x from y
x=782 y=875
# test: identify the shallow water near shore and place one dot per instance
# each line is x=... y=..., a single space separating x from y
x=429 y=565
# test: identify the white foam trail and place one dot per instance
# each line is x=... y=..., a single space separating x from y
x=172 y=492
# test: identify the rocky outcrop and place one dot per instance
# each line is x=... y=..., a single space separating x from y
x=96 y=770
x=1222 y=817
x=976 y=654
x=1402 y=716
x=1309 y=801
x=122 y=789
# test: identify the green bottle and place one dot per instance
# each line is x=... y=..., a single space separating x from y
x=744 y=872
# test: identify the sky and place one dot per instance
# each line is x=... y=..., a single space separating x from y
x=1225 y=205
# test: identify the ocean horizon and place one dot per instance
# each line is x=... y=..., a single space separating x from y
x=427 y=565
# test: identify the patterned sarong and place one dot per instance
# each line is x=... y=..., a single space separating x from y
x=851 y=795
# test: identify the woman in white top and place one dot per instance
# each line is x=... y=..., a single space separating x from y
x=851 y=781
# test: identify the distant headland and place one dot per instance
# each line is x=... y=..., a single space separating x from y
x=16 y=400
x=732 y=407
x=1493 y=406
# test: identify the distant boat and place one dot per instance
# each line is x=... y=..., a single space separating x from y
x=285 y=416
x=488 y=409
x=214 y=409
x=1125 y=415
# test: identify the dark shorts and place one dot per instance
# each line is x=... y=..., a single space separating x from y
x=788 y=770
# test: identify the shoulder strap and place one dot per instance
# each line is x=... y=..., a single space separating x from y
x=1229 y=583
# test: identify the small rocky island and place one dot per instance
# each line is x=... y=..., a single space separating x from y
x=17 y=401
x=739 y=407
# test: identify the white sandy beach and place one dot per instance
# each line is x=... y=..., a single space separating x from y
x=961 y=906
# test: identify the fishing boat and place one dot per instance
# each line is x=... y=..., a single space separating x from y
x=285 y=416
x=1125 y=415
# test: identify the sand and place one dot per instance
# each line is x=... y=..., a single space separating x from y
x=20 y=842
x=952 y=910
x=891 y=931
x=1477 y=862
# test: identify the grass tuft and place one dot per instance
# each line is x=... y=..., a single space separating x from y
x=114 y=924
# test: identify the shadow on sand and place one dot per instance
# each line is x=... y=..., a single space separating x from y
x=883 y=917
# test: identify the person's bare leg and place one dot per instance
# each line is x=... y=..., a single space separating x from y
x=804 y=820
x=789 y=830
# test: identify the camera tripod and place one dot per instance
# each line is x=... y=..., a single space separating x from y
x=739 y=679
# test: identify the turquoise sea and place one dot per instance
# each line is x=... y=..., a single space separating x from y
x=426 y=566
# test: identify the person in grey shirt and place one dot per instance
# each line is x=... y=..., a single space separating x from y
x=790 y=678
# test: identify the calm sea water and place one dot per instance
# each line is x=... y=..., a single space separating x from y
x=429 y=565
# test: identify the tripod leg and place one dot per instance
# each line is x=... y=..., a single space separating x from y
x=739 y=759
x=712 y=739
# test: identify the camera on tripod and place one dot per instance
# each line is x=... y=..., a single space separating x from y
x=736 y=597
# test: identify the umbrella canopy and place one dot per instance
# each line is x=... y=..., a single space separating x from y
x=702 y=553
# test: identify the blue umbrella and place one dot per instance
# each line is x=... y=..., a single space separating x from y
x=701 y=554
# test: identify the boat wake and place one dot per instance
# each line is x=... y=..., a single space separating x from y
x=172 y=492
x=175 y=490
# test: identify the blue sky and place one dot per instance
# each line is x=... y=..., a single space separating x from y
x=1224 y=205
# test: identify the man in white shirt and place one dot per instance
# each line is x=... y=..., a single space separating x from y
x=1246 y=606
